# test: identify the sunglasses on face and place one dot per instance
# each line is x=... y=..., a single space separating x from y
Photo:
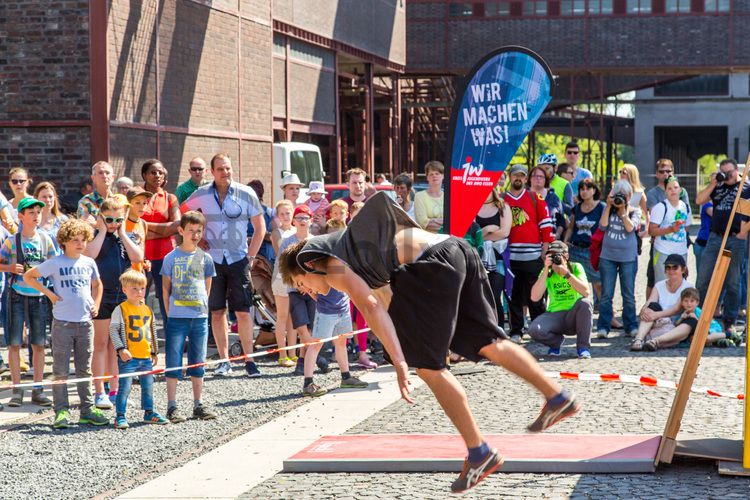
x=586 y=188
x=18 y=181
x=670 y=267
x=197 y=169
x=572 y=152
x=665 y=171
x=114 y=220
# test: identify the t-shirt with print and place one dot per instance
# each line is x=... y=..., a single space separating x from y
x=586 y=223
x=723 y=199
x=36 y=250
x=187 y=273
x=72 y=281
x=619 y=245
x=664 y=215
x=132 y=328
x=561 y=295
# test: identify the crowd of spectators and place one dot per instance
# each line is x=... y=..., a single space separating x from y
x=554 y=240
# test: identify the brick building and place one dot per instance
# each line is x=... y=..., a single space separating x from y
x=596 y=48
x=128 y=80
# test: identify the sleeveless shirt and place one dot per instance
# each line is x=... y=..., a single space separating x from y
x=367 y=245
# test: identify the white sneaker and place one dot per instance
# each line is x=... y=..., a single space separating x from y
x=223 y=370
x=102 y=402
x=516 y=339
x=602 y=334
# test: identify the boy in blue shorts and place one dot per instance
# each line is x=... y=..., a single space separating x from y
x=186 y=272
x=132 y=332
x=26 y=249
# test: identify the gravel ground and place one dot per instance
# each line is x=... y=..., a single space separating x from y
x=39 y=462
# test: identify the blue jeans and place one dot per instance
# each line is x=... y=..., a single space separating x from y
x=156 y=277
x=734 y=273
x=179 y=329
x=698 y=251
x=609 y=270
x=147 y=384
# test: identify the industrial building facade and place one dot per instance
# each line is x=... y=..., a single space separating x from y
x=128 y=80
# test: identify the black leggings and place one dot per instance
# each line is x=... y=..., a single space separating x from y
x=497 y=283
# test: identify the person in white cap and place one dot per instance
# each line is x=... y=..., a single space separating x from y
x=318 y=205
x=290 y=186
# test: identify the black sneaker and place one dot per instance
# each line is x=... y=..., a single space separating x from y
x=300 y=368
x=200 y=412
x=550 y=414
x=323 y=365
x=471 y=475
x=173 y=415
x=252 y=370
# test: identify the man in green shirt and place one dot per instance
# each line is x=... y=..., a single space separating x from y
x=197 y=171
x=569 y=311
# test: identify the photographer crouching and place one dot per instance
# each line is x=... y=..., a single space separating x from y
x=568 y=310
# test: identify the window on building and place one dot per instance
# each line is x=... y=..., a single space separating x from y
x=673 y=6
x=638 y=7
x=703 y=85
x=572 y=7
x=600 y=7
x=312 y=54
x=460 y=9
x=535 y=8
x=716 y=6
x=279 y=44
x=492 y=9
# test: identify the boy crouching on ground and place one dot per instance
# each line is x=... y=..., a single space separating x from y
x=76 y=300
x=134 y=339
x=186 y=280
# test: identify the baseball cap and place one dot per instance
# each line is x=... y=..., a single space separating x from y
x=675 y=259
x=302 y=209
x=28 y=203
x=557 y=247
x=136 y=191
x=316 y=187
x=517 y=167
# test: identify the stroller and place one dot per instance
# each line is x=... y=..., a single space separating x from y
x=264 y=308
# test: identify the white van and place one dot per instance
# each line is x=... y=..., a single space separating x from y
x=296 y=158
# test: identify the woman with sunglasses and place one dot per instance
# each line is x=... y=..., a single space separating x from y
x=163 y=217
x=19 y=182
x=664 y=301
x=668 y=227
x=584 y=221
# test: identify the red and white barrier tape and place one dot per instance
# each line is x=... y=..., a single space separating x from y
x=639 y=380
x=156 y=371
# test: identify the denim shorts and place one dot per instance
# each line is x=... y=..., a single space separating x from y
x=330 y=325
x=29 y=311
x=196 y=331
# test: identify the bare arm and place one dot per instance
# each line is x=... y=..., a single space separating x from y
x=342 y=278
x=569 y=230
x=31 y=278
x=704 y=195
x=92 y=249
x=133 y=249
x=96 y=292
x=166 y=290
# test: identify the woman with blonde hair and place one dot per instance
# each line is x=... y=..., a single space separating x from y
x=629 y=172
x=52 y=217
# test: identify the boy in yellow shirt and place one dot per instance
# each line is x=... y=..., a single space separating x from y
x=134 y=339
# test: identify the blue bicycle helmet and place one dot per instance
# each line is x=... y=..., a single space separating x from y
x=547 y=159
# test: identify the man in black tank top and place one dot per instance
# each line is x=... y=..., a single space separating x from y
x=438 y=300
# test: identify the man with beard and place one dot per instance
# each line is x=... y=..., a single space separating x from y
x=530 y=234
x=356 y=178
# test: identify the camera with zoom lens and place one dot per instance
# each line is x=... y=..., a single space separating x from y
x=619 y=200
x=557 y=259
x=721 y=176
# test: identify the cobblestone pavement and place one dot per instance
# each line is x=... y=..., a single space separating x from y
x=502 y=405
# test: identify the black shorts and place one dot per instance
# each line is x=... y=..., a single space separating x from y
x=443 y=301
x=109 y=302
x=231 y=286
x=302 y=310
x=692 y=323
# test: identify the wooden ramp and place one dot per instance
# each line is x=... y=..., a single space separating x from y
x=542 y=453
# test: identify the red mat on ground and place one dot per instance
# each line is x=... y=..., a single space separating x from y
x=440 y=452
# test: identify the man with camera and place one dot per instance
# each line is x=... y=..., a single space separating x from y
x=722 y=191
x=568 y=310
